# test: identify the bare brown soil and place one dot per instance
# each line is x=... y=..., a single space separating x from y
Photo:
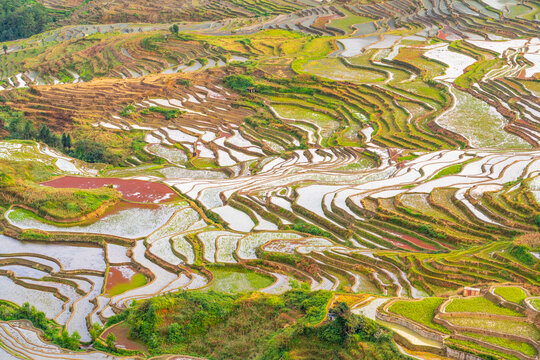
x=123 y=341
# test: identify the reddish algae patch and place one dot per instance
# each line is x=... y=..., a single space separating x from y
x=131 y=190
x=400 y=245
x=119 y=275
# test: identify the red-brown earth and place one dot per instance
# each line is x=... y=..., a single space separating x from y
x=131 y=190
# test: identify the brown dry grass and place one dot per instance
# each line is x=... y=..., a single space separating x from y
x=61 y=107
x=531 y=240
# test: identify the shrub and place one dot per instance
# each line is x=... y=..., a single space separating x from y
x=301 y=226
x=521 y=253
x=175 y=333
x=239 y=82
x=169 y=113
x=185 y=82
x=128 y=110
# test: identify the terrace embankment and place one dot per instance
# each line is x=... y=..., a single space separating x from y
x=459 y=324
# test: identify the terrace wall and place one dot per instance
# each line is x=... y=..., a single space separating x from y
x=460 y=355
x=488 y=345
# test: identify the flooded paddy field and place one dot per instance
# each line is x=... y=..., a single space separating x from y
x=379 y=155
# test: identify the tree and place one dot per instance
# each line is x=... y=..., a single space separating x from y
x=68 y=141
x=44 y=133
x=94 y=332
x=174 y=29
x=111 y=341
x=5 y=48
x=29 y=131
x=90 y=151
x=175 y=333
x=70 y=342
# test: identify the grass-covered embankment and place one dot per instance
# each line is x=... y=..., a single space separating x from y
x=19 y=185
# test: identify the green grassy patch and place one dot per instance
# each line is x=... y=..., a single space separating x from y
x=478 y=305
x=473 y=348
x=421 y=311
x=348 y=21
x=137 y=280
x=511 y=293
x=204 y=163
x=407 y=157
x=17 y=187
x=477 y=71
x=450 y=170
x=236 y=280
x=169 y=113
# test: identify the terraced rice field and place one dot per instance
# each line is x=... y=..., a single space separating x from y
x=386 y=151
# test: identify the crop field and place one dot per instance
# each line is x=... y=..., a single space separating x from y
x=271 y=179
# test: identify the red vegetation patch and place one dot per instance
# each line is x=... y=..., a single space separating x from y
x=119 y=275
x=415 y=241
x=131 y=190
x=442 y=35
x=400 y=245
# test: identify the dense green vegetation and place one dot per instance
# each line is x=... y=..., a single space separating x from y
x=239 y=82
x=22 y=18
x=521 y=253
x=169 y=113
x=51 y=330
x=256 y=326
x=84 y=147
x=21 y=128
x=304 y=227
